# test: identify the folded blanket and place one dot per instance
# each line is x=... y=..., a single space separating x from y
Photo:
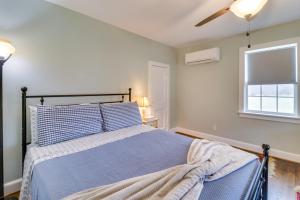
x=206 y=161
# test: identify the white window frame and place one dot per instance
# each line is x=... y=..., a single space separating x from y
x=243 y=86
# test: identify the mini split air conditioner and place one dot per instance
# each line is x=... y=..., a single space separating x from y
x=204 y=56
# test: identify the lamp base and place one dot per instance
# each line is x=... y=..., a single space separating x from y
x=148 y=118
x=147 y=114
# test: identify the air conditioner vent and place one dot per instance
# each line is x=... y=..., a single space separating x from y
x=204 y=56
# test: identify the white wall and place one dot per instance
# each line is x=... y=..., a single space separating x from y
x=207 y=94
x=60 y=51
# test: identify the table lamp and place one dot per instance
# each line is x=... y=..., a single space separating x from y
x=143 y=103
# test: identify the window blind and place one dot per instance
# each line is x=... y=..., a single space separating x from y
x=275 y=66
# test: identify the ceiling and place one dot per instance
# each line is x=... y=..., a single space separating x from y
x=172 y=21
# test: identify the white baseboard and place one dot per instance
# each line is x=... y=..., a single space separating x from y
x=12 y=186
x=243 y=145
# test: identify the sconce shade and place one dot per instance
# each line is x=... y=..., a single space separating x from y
x=247 y=9
x=143 y=102
x=6 y=49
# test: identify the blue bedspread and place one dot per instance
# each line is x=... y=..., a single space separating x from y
x=134 y=156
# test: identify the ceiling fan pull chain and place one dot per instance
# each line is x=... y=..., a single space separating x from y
x=248 y=35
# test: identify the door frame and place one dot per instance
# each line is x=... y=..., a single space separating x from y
x=166 y=66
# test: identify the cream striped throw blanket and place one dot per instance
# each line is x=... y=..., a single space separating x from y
x=206 y=161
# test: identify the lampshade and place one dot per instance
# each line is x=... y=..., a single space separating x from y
x=6 y=49
x=247 y=9
x=143 y=102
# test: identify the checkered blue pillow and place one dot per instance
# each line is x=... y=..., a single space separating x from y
x=120 y=115
x=62 y=123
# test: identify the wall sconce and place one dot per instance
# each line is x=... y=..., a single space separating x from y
x=144 y=104
x=6 y=51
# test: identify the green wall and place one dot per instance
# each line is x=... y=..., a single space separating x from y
x=61 y=51
x=207 y=94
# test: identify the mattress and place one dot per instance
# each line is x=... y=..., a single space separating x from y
x=134 y=156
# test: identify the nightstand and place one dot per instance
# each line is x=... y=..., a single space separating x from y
x=151 y=122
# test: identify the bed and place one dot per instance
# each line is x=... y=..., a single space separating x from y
x=129 y=152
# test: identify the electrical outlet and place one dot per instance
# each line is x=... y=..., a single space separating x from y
x=214 y=127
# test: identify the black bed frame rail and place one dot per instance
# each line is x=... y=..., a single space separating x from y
x=42 y=100
x=259 y=188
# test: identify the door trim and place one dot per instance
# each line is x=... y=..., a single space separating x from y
x=162 y=65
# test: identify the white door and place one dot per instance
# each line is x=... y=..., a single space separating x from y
x=158 y=92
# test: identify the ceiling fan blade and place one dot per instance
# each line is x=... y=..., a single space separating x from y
x=213 y=16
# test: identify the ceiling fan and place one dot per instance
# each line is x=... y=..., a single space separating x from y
x=246 y=9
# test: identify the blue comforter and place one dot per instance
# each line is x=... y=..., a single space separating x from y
x=138 y=155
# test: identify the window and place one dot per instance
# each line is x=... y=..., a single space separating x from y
x=273 y=99
x=269 y=81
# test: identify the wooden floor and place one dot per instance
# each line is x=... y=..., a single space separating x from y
x=283 y=177
x=12 y=196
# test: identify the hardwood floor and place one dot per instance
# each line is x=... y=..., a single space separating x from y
x=13 y=196
x=283 y=177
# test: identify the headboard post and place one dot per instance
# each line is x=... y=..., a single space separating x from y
x=24 y=129
x=130 y=94
x=42 y=100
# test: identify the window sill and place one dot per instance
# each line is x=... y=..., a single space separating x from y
x=276 y=118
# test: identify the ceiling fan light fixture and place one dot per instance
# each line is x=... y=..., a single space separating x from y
x=247 y=9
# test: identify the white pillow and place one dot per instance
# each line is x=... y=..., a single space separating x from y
x=33 y=124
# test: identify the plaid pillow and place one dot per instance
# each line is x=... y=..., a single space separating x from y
x=62 y=123
x=120 y=115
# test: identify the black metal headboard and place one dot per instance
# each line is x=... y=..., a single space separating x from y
x=42 y=99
